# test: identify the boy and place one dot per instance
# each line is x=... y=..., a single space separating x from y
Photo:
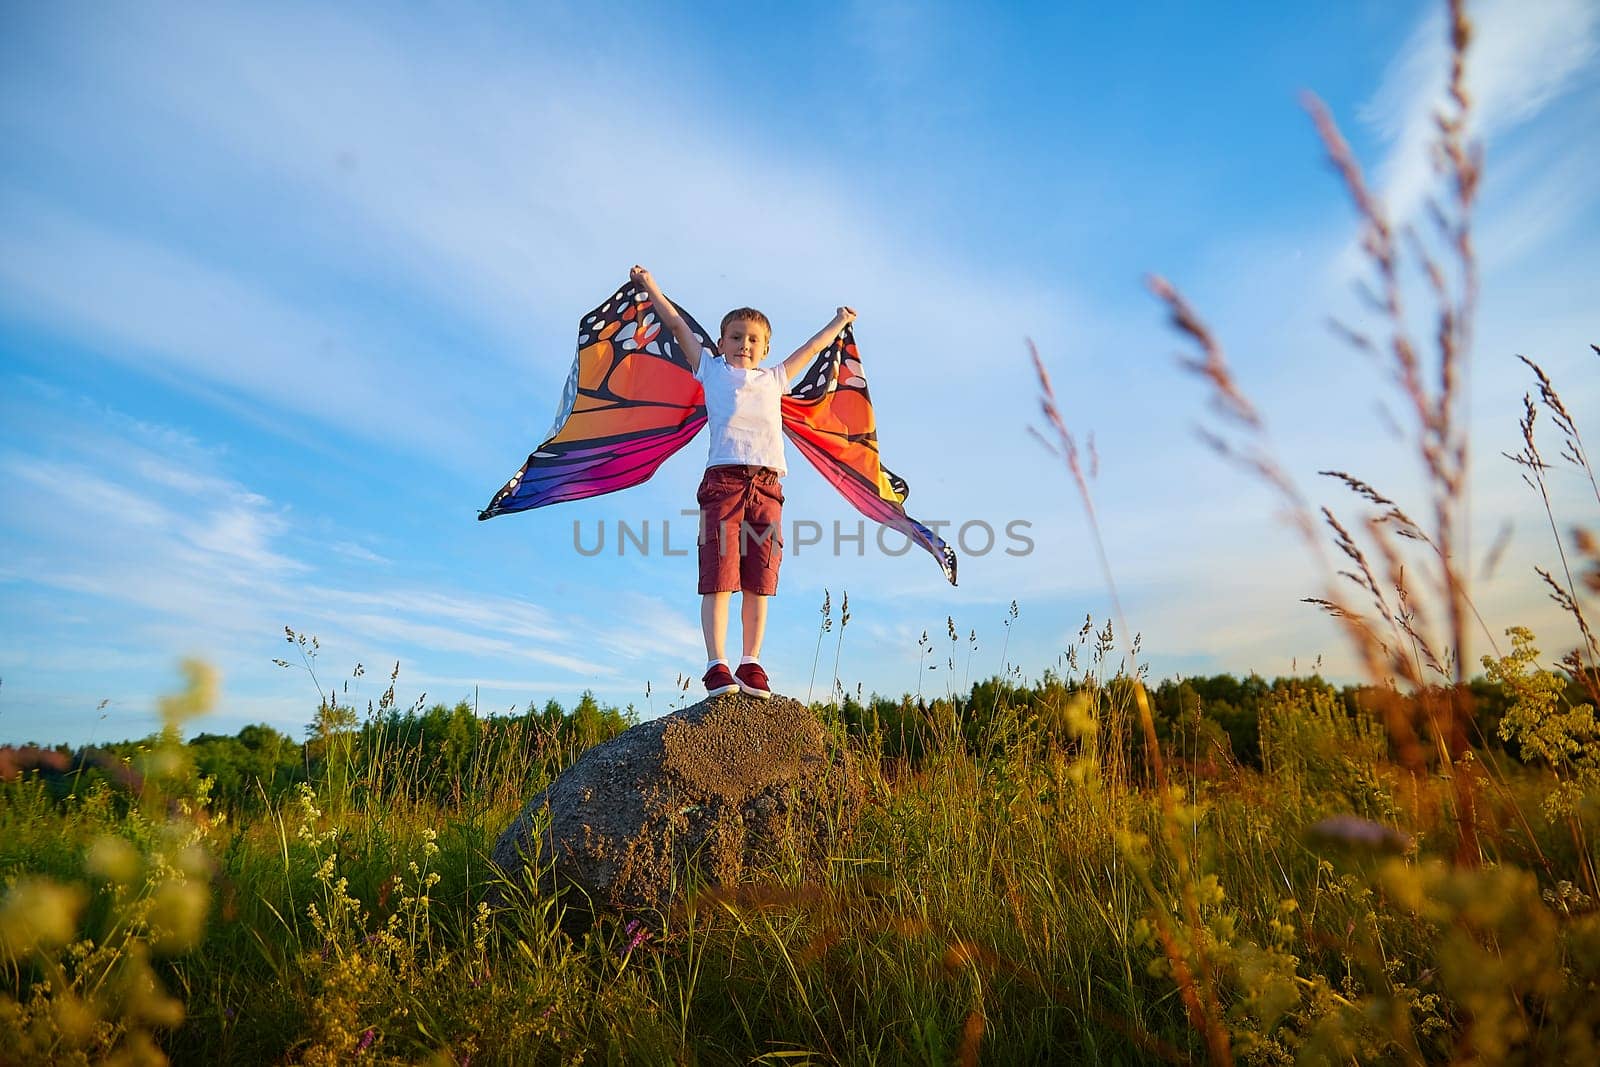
x=740 y=496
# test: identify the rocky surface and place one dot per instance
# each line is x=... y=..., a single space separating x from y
x=708 y=794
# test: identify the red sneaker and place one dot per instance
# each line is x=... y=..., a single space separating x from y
x=719 y=681
x=753 y=680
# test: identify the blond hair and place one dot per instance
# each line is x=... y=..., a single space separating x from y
x=746 y=315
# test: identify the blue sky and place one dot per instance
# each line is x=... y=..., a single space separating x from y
x=287 y=291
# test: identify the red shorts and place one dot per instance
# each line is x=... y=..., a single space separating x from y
x=741 y=521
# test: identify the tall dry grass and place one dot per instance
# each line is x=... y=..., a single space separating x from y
x=1400 y=590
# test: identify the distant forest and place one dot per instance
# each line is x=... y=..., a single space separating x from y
x=1209 y=724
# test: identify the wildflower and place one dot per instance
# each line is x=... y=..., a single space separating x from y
x=113 y=859
x=1351 y=830
x=1079 y=715
x=38 y=913
x=637 y=933
x=197 y=699
x=1209 y=891
x=367 y=1038
x=178 y=915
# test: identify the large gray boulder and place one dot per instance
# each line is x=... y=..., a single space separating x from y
x=707 y=794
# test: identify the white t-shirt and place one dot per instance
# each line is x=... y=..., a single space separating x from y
x=744 y=410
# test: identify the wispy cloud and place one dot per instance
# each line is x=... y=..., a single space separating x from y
x=667 y=632
x=488 y=612
x=440 y=638
x=69 y=482
x=160 y=308
x=219 y=568
x=359 y=553
x=240 y=536
x=1523 y=57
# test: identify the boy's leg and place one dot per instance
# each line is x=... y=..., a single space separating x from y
x=721 y=500
x=758 y=576
x=760 y=552
x=714 y=624
x=753 y=614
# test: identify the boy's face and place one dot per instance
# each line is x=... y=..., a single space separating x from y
x=744 y=343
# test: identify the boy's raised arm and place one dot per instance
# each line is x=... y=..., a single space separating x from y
x=669 y=316
x=808 y=351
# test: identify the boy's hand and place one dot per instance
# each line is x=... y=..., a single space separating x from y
x=844 y=317
x=687 y=341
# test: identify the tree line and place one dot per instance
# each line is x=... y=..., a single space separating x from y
x=450 y=753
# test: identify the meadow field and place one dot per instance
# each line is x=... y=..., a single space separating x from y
x=1083 y=866
x=1028 y=886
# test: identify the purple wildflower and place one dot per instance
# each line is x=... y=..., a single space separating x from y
x=1350 y=830
x=366 y=1040
x=637 y=933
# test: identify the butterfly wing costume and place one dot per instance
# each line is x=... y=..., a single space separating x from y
x=631 y=401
